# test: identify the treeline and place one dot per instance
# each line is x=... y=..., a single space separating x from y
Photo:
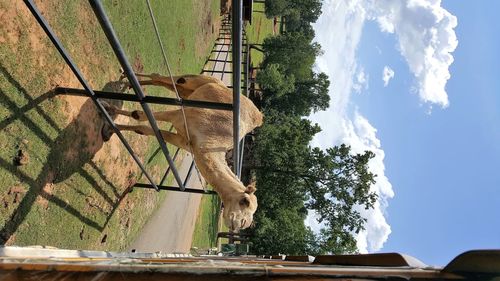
x=293 y=177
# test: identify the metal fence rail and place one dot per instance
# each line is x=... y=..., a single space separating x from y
x=219 y=48
x=134 y=82
x=69 y=61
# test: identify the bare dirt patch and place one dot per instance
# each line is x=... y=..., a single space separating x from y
x=13 y=196
x=17 y=21
x=97 y=204
x=208 y=27
x=126 y=208
x=11 y=22
x=47 y=190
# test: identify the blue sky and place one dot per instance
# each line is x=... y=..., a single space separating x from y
x=434 y=126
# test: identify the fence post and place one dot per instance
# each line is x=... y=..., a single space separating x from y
x=236 y=51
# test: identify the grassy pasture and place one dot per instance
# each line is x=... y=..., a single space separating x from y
x=72 y=190
x=207 y=224
x=260 y=28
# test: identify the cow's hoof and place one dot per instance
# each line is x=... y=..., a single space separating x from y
x=106 y=131
x=135 y=115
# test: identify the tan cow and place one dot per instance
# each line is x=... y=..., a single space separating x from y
x=211 y=134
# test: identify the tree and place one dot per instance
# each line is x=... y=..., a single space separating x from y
x=275 y=8
x=281 y=148
x=308 y=96
x=292 y=178
x=306 y=11
x=294 y=52
x=338 y=182
x=274 y=82
x=282 y=143
x=282 y=232
x=309 y=10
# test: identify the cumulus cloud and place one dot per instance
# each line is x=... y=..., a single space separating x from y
x=387 y=75
x=426 y=39
x=361 y=135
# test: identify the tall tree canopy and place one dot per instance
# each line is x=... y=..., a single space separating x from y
x=300 y=99
x=305 y=11
x=294 y=52
x=338 y=184
x=292 y=178
x=274 y=81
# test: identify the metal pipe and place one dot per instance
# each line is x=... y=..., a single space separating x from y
x=147 y=99
x=175 y=188
x=220 y=71
x=245 y=92
x=242 y=150
x=190 y=171
x=222 y=61
x=236 y=51
x=213 y=51
x=168 y=169
x=62 y=51
x=247 y=69
x=120 y=54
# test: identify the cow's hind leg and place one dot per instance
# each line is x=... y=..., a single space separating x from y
x=164 y=81
x=168 y=116
x=154 y=79
x=140 y=115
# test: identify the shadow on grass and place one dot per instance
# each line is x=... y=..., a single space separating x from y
x=74 y=147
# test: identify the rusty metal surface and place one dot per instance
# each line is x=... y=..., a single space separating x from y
x=383 y=259
x=297 y=258
x=206 y=267
x=21 y=263
x=482 y=262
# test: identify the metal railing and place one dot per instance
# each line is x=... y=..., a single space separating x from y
x=143 y=100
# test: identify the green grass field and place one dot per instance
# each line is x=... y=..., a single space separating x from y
x=260 y=28
x=72 y=190
x=207 y=224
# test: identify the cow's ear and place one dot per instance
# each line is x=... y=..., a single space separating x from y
x=251 y=188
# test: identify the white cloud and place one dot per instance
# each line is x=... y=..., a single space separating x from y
x=387 y=75
x=425 y=39
x=361 y=135
x=345 y=21
x=361 y=82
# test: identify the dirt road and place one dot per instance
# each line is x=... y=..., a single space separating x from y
x=170 y=229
